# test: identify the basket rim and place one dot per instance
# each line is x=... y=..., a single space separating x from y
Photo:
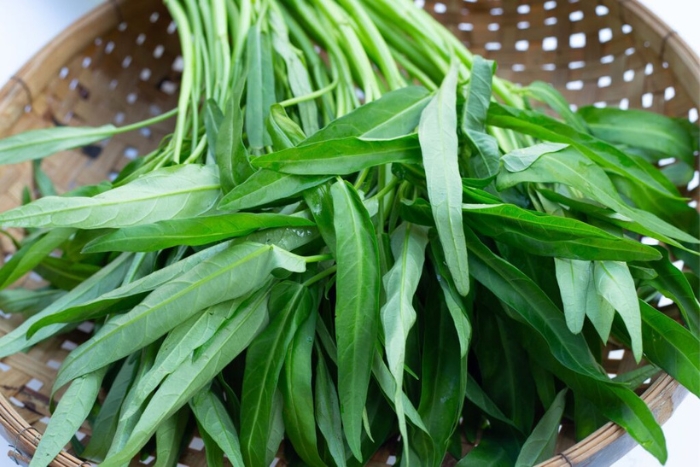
x=661 y=397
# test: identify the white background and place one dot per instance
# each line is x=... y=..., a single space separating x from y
x=27 y=25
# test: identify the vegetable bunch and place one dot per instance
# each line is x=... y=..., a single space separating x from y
x=357 y=234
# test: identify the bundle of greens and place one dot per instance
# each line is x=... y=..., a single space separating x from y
x=357 y=235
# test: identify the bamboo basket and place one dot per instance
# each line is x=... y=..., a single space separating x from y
x=120 y=64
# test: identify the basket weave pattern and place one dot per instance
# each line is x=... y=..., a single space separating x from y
x=121 y=64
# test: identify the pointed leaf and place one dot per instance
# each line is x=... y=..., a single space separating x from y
x=213 y=418
x=540 y=445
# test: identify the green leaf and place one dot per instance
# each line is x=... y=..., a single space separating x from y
x=172 y=192
x=480 y=398
x=485 y=154
x=212 y=122
x=672 y=347
x=105 y=424
x=341 y=156
x=641 y=129
x=570 y=167
x=357 y=305
x=395 y=114
x=107 y=279
x=191 y=231
x=574 y=278
x=72 y=410
x=290 y=305
x=213 y=455
x=213 y=418
x=672 y=283
x=284 y=132
x=549 y=235
x=297 y=390
x=31 y=254
x=230 y=340
x=519 y=292
x=487 y=453
x=329 y=414
x=169 y=439
x=320 y=203
x=615 y=285
x=408 y=244
x=261 y=93
x=179 y=345
x=267 y=186
x=540 y=445
x=212 y=281
x=545 y=92
x=35 y=144
x=231 y=154
x=131 y=293
x=28 y=301
x=42 y=181
x=437 y=133
x=521 y=159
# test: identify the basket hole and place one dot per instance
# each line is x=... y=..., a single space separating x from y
x=492 y=46
x=146 y=132
x=577 y=40
x=45 y=420
x=494 y=27
x=576 y=65
x=140 y=39
x=550 y=21
x=522 y=46
x=629 y=51
x=612 y=375
x=549 y=67
x=109 y=47
x=113 y=84
x=694 y=203
x=648 y=69
x=649 y=241
x=523 y=24
x=158 y=51
x=87 y=327
x=550 y=5
x=86 y=62
x=664 y=302
x=666 y=161
x=63 y=73
x=391 y=460
x=154 y=17
x=172 y=27
x=98 y=41
x=604 y=81
x=576 y=16
x=168 y=87
x=624 y=104
x=574 y=85
x=34 y=384
x=626 y=29
x=155 y=110
x=119 y=118
x=122 y=26
x=669 y=93
x=5 y=367
x=694 y=182
x=197 y=443
x=131 y=152
x=607 y=59
x=147 y=460
x=127 y=61
x=16 y=402
x=178 y=64
x=549 y=43
x=69 y=345
x=600 y=105
x=440 y=8
x=145 y=74
x=496 y=11
x=27 y=108
x=518 y=67
x=523 y=9
x=647 y=100
x=573 y=107
x=54 y=364
x=73 y=84
x=628 y=76
x=465 y=27
x=112 y=176
x=601 y=10
x=605 y=35
x=131 y=98
x=80 y=435
x=693 y=115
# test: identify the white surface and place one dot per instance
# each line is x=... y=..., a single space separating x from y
x=26 y=25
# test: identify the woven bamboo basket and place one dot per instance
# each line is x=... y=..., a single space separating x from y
x=119 y=64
